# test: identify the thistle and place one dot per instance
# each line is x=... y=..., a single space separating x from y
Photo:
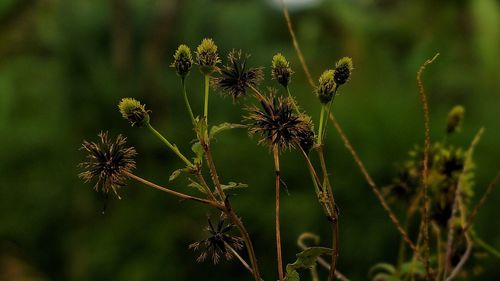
x=343 y=70
x=219 y=244
x=455 y=117
x=135 y=112
x=326 y=86
x=236 y=77
x=108 y=163
x=280 y=70
x=206 y=56
x=277 y=123
x=183 y=61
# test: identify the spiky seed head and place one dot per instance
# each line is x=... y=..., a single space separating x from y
x=108 y=163
x=343 y=70
x=280 y=70
x=236 y=77
x=307 y=137
x=326 y=86
x=206 y=56
x=135 y=112
x=455 y=117
x=276 y=122
x=219 y=242
x=183 y=60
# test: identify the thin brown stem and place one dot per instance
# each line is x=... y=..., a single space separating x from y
x=175 y=193
x=425 y=170
x=213 y=169
x=246 y=237
x=204 y=184
x=372 y=184
x=482 y=201
x=278 y=231
x=235 y=253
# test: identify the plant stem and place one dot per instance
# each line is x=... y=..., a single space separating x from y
x=213 y=169
x=246 y=237
x=175 y=193
x=205 y=108
x=328 y=114
x=321 y=121
x=293 y=100
x=186 y=100
x=278 y=232
x=173 y=147
x=235 y=253
x=205 y=186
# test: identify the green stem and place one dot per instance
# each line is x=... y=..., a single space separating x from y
x=293 y=100
x=205 y=108
x=326 y=123
x=171 y=146
x=321 y=121
x=485 y=245
x=186 y=100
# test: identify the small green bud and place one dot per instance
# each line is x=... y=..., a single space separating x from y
x=206 y=56
x=135 y=112
x=280 y=70
x=326 y=86
x=343 y=70
x=182 y=61
x=455 y=118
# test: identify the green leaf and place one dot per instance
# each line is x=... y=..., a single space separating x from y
x=223 y=127
x=307 y=258
x=291 y=274
x=416 y=267
x=196 y=185
x=233 y=185
x=385 y=277
x=198 y=151
x=177 y=173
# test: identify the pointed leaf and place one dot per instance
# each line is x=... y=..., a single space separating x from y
x=223 y=127
x=198 y=151
x=177 y=173
x=291 y=274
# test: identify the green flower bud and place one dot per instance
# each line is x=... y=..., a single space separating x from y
x=326 y=86
x=455 y=118
x=280 y=70
x=182 y=61
x=207 y=57
x=343 y=70
x=135 y=112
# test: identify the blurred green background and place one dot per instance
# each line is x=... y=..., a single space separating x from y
x=64 y=65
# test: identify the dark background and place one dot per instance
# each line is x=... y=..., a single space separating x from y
x=64 y=65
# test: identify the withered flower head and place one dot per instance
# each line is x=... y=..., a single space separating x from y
x=219 y=243
x=343 y=70
x=236 y=78
x=326 y=86
x=107 y=163
x=183 y=61
x=135 y=112
x=277 y=123
x=455 y=117
x=280 y=70
x=206 y=56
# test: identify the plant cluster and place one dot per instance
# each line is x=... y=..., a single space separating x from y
x=435 y=184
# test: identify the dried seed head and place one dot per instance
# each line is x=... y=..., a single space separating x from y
x=277 y=124
x=280 y=70
x=206 y=56
x=135 y=112
x=326 y=86
x=218 y=243
x=455 y=118
x=107 y=163
x=183 y=61
x=235 y=77
x=343 y=70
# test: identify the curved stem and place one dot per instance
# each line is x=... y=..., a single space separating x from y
x=205 y=107
x=186 y=100
x=175 y=193
x=278 y=232
x=173 y=147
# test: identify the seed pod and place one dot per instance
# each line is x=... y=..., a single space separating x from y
x=183 y=61
x=343 y=70
x=280 y=70
x=135 y=112
x=326 y=86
